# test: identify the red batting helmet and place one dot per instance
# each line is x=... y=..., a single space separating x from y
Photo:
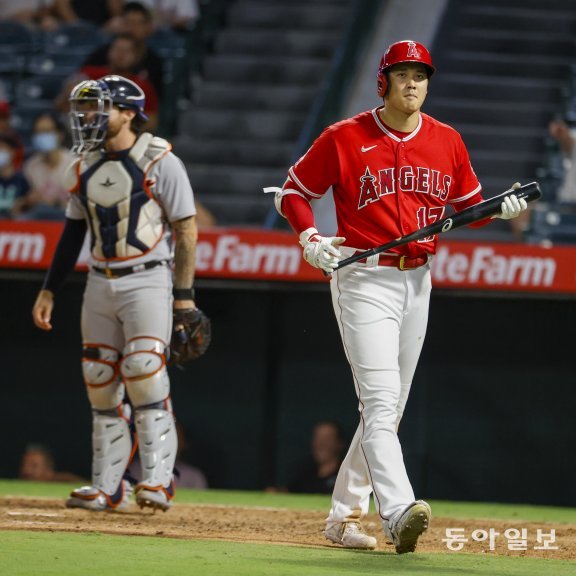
x=403 y=51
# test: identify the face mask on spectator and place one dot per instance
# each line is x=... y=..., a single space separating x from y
x=45 y=141
x=5 y=158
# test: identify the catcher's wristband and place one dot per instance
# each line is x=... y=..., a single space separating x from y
x=183 y=294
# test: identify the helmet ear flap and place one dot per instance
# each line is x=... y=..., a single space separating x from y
x=382 y=84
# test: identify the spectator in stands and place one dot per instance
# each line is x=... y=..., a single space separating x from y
x=122 y=60
x=136 y=20
x=13 y=183
x=6 y=129
x=561 y=132
x=318 y=474
x=103 y=13
x=178 y=15
x=37 y=464
x=45 y=170
x=32 y=13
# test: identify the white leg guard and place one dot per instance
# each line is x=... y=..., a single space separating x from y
x=143 y=368
x=158 y=445
x=111 y=436
x=112 y=445
x=100 y=370
x=144 y=371
x=111 y=451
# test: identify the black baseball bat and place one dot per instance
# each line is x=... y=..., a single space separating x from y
x=529 y=192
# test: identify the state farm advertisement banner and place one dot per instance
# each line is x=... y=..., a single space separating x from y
x=248 y=254
x=221 y=253
x=504 y=267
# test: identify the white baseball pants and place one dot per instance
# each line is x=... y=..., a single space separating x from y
x=382 y=313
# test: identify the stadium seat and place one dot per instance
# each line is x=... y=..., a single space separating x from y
x=38 y=92
x=60 y=64
x=15 y=37
x=552 y=225
x=167 y=44
x=7 y=87
x=172 y=48
x=16 y=44
x=81 y=37
x=22 y=119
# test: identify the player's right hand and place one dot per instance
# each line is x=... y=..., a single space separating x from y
x=320 y=251
x=42 y=311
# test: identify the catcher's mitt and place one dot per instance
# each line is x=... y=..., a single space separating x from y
x=191 y=335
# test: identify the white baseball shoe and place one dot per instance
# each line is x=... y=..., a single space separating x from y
x=350 y=535
x=156 y=497
x=91 y=498
x=409 y=526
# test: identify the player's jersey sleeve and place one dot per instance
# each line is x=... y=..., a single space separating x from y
x=467 y=190
x=172 y=188
x=318 y=169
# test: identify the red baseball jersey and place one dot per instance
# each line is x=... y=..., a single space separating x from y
x=386 y=186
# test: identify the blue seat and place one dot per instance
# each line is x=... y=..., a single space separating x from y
x=554 y=225
x=12 y=64
x=80 y=37
x=37 y=93
x=15 y=37
x=7 y=87
x=16 y=44
x=60 y=64
x=22 y=119
x=167 y=44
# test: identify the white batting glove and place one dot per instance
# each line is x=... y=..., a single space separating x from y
x=320 y=251
x=511 y=207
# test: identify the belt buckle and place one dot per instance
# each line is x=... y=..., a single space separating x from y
x=109 y=273
x=401 y=263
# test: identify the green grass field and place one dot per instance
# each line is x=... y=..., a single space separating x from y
x=32 y=553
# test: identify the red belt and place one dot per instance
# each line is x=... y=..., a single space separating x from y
x=400 y=262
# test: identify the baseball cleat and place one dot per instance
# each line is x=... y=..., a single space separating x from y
x=155 y=497
x=411 y=524
x=350 y=535
x=91 y=498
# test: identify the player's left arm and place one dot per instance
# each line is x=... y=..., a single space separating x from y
x=469 y=192
x=174 y=192
x=191 y=329
x=511 y=207
x=186 y=238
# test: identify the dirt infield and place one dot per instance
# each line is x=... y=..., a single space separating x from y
x=271 y=526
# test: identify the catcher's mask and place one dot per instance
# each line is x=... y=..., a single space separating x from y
x=91 y=102
x=90 y=106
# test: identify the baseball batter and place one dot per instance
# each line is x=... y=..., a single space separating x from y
x=393 y=170
x=131 y=193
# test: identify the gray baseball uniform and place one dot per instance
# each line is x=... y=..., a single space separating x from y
x=129 y=199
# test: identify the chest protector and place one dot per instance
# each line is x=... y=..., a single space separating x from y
x=124 y=216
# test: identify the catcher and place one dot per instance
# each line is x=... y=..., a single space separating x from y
x=134 y=196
